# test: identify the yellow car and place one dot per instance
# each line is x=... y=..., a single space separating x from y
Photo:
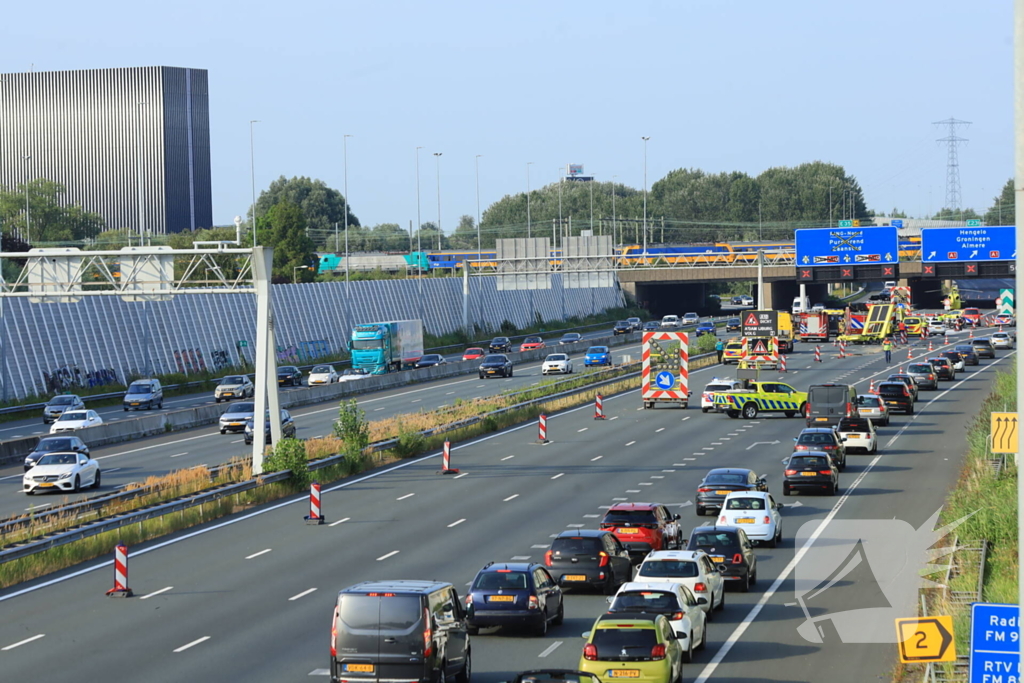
x=733 y=352
x=636 y=647
x=915 y=325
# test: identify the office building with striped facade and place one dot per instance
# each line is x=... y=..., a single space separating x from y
x=130 y=144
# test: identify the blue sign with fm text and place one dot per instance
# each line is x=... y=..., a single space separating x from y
x=989 y=243
x=665 y=380
x=846 y=246
x=995 y=643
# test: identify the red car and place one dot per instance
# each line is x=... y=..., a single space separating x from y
x=473 y=353
x=643 y=527
x=531 y=343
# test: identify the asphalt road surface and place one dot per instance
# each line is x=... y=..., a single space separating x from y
x=250 y=597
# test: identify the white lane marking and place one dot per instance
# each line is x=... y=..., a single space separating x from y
x=591 y=516
x=657 y=476
x=633 y=491
x=716 y=443
x=620 y=498
x=631 y=443
x=192 y=644
x=681 y=464
x=575 y=526
x=583 y=430
x=645 y=483
x=113 y=469
x=408 y=495
x=340 y=521
x=235 y=441
x=178 y=455
x=22 y=642
x=416 y=400
x=520 y=558
x=457 y=522
x=460 y=476
x=262 y=552
x=659 y=430
x=162 y=590
x=301 y=595
x=616 y=417
x=379 y=409
x=508 y=457
x=320 y=672
x=708 y=448
x=391 y=554
x=551 y=648
x=560 y=474
x=668 y=470
x=512 y=497
x=595 y=459
x=539 y=546
x=725 y=438
x=686 y=418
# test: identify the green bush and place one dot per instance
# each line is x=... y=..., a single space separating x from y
x=410 y=442
x=352 y=428
x=290 y=454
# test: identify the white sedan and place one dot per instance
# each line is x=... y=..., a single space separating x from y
x=61 y=472
x=323 y=374
x=756 y=512
x=858 y=433
x=557 y=363
x=73 y=420
x=1001 y=340
x=936 y=327
x=676 y=602
x=691 y=568
x=353 y=375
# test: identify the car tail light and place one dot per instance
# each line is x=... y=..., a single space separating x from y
x=790 y=473
x=700 y=587
x=737 y=558
x=547 y=558
x=534 y=602
x=906 y=392
x=704 y=490
x=334 y=633
x=658 y=652
x=590 y=652
x=722 y=519
x=469 y=600
x=849 y=409
x=824 y=471
x=767 y=520
x=800 y=447
x=604 y=559
x=677 y=616
x=428 y=635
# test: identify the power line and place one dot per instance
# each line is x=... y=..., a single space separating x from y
x=952 y=161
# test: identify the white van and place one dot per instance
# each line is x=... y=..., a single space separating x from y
x=801 y=305
x=670 y=321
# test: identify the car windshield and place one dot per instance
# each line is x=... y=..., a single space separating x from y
x=734 y=321
x=725 y=478
x=627 y=517
x=713 y=539
x=322 y=370
x=717 y=387
x=659 y=602
x=431 y=357
x=981 y=342
x=576 y=544
x=287 y=368
x=557 y=356
x=598 y=349
x=966 y=349
x=62 y=400
x=744 y=504
x=571 y=336
x=921 y=368
x=499 y=340
x=501 y=580
x=49 y=445
x=234 y=379
x=242 y=408
x=808 y=439
x=355 y=371
x=622 y=323
x=73 y=415
x=139 y=389
x=867 y=401
x=58 y=459
x=532 y=340
x=658 y=569
x=494 y=359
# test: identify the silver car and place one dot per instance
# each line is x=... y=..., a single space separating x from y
x=235 y=417
x=234 y=386
x=873 y=408
x=56 y=406
x=924 y=375
x=1001 y=340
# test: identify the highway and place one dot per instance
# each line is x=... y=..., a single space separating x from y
x=250 y=597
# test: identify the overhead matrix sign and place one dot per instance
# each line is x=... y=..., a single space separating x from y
x=846 y=246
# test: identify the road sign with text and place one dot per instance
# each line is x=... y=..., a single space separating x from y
x=995 y=643
x=760 y=323
x=988 y=243
x=846 y=246
x=926 y=639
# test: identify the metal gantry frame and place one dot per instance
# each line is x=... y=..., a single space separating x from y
x=144 y=274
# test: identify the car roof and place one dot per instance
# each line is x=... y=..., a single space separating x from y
x=632 y=506
x=641 y=619
x=667 y=586
x=680 y=555
x=729 y=470
x=417 y=587
x=584 y=533
x=819 y=430
x=711 y=529
x=509 y=566
x=800 y=454
x=747 y=494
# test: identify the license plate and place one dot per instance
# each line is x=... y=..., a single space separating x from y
x=723 y=493
x=135 y=404
x=856 y=436
x=809 y=474
x=45 y=486
x=359 y=668
x=893 y=403
x=745 y=520
x=629 y=531
x=228 y=393
x=492 y=372
x=234 y=424
x=821 y=419
x=575 y=577
x=717 y=559
x=501 y=598
x=623 y=673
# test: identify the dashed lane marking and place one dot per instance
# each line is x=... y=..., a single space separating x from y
x=162 y=590
x=192 y=644
x=386 y=556
x=302 y=594
x=262 y=552
x=22 y=642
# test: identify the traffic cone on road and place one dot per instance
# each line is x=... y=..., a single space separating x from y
x=930 y=345
x=910 y=354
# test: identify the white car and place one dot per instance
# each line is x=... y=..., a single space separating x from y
x=937 y=327
x=1001 y=340
x=745 y=300
x=323 y=374
x=673 y=600
x=234 y=386
x=707 y=400
x=958 y=362
x=670 y=322
x=872 y=407
x=756 y=512
x=556 y=362
x=73 y=420
x=691 y=568
x=858 y=433
x=353 y=375
x=61 y=472
x=691 y=319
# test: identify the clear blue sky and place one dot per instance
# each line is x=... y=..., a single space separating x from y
x=719 y=85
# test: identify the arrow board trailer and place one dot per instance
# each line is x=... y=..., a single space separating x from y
x=665 y=374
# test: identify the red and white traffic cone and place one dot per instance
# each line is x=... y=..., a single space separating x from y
x=599 y=408
x=782 y=363
x=120 y=589
x=901 y=370
x=315 y=515
x=871 y=389
x=970 y=333
x=817 y=354
x=446 y=459
x=542 y=429
x=930 y=345
x=910 y=354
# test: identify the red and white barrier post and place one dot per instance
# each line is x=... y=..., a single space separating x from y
x=316 y=515
x=599 y=408
x=446 y=459
x=782 y=362
x=542 y=429
x=817 y=354
x=120 y=589
x=842 y=349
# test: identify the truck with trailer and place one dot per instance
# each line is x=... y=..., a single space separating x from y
x=380 y=348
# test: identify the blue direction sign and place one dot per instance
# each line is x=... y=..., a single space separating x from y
x=978 y=243
x=843 y=246
x=665 y=380
x=896 y=222
x=995 y=643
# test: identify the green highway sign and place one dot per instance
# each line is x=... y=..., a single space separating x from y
x=974 y=224
x=845 y=224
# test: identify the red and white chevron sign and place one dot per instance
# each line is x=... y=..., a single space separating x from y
x=680 y=371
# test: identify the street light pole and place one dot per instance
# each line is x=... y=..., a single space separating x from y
x=478 y=247
x=437 y=159
x=252 y=178
x=645 y=139
x=344 y=142
x=528 y=221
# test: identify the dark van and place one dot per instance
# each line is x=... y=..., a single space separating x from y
x=827 y=404
x=399 y=631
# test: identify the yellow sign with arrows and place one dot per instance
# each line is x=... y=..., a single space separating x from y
x=1004 y=432
x=926 y=639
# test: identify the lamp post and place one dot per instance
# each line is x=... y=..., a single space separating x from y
x=478 y=247
x=296 y=269
x=645 y=139
x=419 y=231
x=252 y=178
x=529 y=225
x=613 y=210
x=28 y=218
x=437 y=159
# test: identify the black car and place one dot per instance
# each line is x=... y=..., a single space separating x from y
x=500 y=345
x=906 y=379
x=732 y=325
x=810 y=471
x=652 y=326
x=290 y=375
x=287 y=428
x=55 y=444
x=554 y=676
x=721 y=481
x=621 y=327
x=896 y=396
x=495 y=364
x=589 y=558
x=943 y=368
x=514 y=594
x=884 y=295
x=728 y=546
x=570 y=338
x=430 y=360
x=822 y=439
x=968 y=353
x=983 y=347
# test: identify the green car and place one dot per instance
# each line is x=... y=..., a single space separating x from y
x=634 y=646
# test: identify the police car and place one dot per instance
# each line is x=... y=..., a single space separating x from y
x=707 y=399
